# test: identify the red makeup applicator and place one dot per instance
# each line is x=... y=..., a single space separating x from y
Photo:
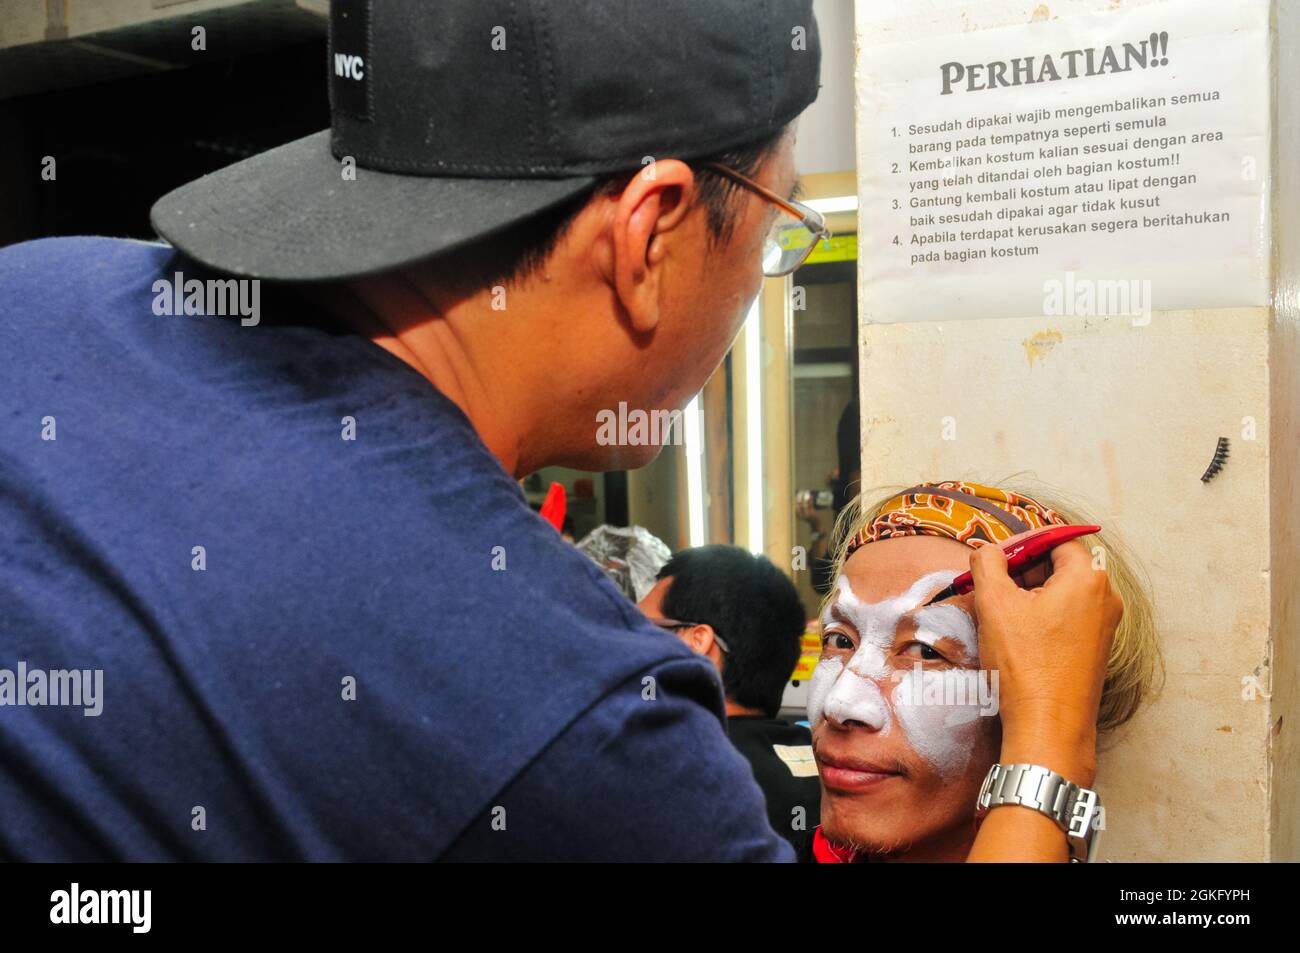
x=1024 y=553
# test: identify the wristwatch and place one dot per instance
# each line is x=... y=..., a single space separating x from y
x=1074 y=809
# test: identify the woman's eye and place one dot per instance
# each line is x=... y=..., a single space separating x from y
x=837 y=641
x=925 y=652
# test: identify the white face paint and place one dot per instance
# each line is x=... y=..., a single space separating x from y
x=853 y=693
x=948 y=621
x=942 y=735
x=824 y=677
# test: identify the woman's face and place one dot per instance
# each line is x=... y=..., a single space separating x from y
x=904 y=723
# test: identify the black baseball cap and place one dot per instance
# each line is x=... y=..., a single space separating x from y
x=453 y=119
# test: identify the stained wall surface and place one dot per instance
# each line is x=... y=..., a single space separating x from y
x=1124 y=418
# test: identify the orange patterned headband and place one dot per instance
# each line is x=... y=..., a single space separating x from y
x=967 y=512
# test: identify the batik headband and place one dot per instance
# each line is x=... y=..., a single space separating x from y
x=967 y=512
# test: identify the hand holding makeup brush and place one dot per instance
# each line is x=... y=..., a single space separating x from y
x=1050 y=646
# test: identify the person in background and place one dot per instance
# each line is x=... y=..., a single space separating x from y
x=843 y=480
x=744 y=615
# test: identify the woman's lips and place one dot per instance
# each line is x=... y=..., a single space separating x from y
x=851 y=775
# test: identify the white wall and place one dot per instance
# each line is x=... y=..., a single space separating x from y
x=825 y=142
x=1125 y=418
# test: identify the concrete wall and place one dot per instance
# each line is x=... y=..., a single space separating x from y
x=1284 y=464
x=1125 y=419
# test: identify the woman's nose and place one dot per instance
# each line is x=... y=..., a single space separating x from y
x=856 y=702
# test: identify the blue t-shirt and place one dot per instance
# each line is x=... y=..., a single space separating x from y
x=309 y=647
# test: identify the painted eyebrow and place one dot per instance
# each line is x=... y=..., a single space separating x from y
x=917 y=616
x=838 y=615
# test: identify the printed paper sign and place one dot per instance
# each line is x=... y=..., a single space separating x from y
x=1097 y=164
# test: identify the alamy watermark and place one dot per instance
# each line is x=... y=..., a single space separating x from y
x=61 y=688
x=639 y=428
x=133 y=908
x=953 y=687
x=1091 y=297
x=216 y=297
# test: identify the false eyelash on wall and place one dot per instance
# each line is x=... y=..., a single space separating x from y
x=1220 y=456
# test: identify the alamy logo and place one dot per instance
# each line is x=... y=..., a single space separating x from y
x=58 y=688
x=349 y=66
x=952 y=688
x=1089 y=297
x=216 y=296
x=638 y=428
x=132 y=907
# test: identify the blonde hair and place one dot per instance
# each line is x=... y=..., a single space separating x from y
x=1135 y=671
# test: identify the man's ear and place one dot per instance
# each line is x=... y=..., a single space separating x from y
x=699 y=638
x=653 y=203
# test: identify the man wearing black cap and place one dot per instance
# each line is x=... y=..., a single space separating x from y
x=282 y=522
x=289 y=532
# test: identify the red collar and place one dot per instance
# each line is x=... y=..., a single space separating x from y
x=824 y=852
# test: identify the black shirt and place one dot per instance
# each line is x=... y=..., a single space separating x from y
x=781 y=756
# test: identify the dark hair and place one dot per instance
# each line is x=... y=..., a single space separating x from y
x=511 y=255
x=752 y=605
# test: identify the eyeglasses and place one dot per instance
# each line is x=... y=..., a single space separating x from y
x=674 y=624
x=795 y=233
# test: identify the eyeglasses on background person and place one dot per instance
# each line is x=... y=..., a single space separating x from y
x=674 y=624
